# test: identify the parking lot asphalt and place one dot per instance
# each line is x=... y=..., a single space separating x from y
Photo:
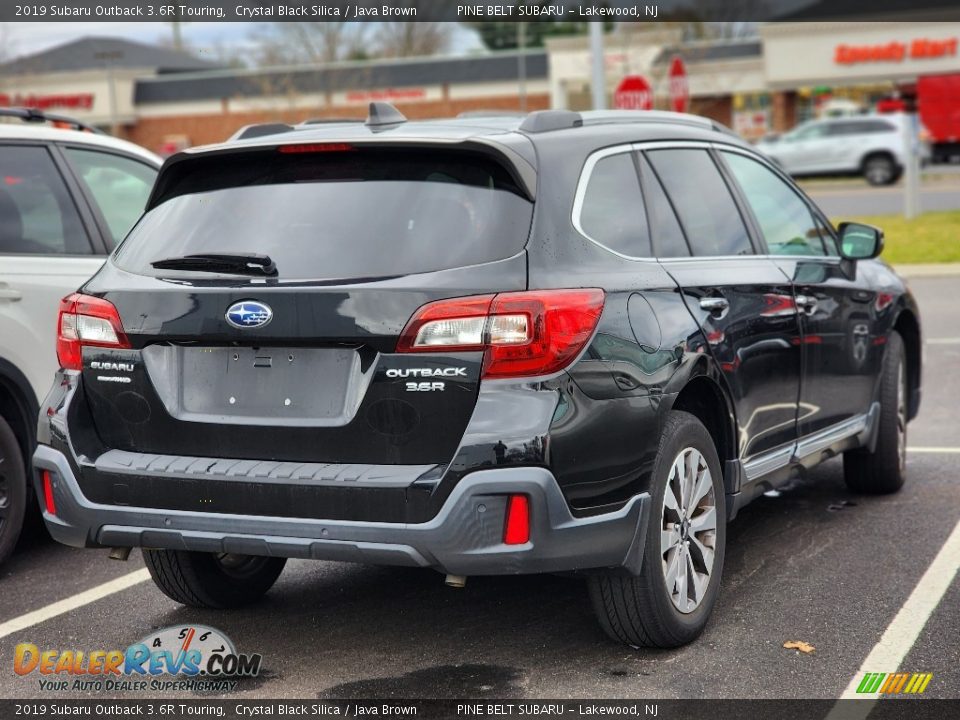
x=815 y=564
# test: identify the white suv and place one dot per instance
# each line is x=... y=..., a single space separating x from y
x=66 y=198
x=868 y=145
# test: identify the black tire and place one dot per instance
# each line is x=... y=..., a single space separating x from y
x=209 y=580
x=883 y=471
x=880 y=169
x=640 y=610
x=13 y=490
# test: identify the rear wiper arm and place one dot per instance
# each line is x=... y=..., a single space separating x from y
x=251 y=264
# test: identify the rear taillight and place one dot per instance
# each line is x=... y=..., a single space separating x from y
x=86 y=321
x=522 y=334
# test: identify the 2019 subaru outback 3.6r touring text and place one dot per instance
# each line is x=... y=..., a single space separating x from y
x=556 y=343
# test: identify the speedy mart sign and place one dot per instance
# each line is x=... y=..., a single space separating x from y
x=808 y=54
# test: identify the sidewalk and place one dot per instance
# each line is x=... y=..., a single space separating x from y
x=917 y=270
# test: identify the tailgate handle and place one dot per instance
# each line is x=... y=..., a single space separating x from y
x=8 y=293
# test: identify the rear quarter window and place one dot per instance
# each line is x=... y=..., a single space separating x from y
x=611 y=211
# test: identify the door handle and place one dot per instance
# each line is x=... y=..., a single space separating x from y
x=8 y=293
x=714 y=305
x=807 y=304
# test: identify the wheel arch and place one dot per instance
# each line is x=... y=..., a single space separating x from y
x=19 y=407
x=908 y=326
x=704 y=397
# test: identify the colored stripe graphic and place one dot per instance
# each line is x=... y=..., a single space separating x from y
x=893 y=683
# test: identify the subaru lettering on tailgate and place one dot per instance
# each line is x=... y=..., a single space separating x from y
x=249 y=314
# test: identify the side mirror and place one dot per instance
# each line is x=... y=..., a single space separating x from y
x=859 y=241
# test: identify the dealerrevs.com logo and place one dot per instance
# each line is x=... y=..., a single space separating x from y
x=193 y=657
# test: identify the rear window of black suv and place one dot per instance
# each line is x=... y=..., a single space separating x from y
x=332 y=211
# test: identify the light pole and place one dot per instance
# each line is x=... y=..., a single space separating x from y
x=598 y=87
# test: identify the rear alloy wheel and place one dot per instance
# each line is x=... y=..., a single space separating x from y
x=880 y=170
x=884 y=470
x=13 y=491
x=212 y=580
x=669 y=603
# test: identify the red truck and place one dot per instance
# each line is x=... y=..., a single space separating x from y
x=938 y=102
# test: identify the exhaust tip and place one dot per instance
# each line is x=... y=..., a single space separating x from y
x=120 y=553
x=455 y=581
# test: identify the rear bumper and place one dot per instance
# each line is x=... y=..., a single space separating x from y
x=465 y=537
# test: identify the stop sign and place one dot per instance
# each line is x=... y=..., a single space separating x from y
x=633 y=93
x=679 y=88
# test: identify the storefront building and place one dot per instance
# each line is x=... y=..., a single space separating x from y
x=165 y=100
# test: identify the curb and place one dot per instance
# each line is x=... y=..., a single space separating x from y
x=928 y=270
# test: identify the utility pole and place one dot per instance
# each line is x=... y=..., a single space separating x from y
x=522 y=63
x=108 y=56
x=598 y=87
x=911 y=178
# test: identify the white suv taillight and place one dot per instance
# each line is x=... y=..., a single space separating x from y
x=522 y=334
x=86 y=321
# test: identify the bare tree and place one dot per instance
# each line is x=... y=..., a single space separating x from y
x=309 y=42
x=409 y=39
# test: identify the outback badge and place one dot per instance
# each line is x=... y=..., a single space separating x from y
x=249 y=314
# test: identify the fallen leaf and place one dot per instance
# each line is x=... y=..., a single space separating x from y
x=799 y=645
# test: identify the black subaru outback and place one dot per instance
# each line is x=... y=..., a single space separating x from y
x=564 y=342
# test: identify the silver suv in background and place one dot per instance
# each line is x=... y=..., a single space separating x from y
x=67 y=197
x=869 y=145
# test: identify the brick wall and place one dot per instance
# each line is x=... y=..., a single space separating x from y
x=203 y=129
x=719 y=108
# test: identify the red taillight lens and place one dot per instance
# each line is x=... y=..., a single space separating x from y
x=523 y=334
x=49 y=504
x=314 y=148
x=516 y=530
x=86 y=321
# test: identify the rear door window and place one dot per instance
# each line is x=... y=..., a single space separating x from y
x=331 y=212
x=666 y=233
x=612 y=212
x=119 y=185
x=706 y=209
x=37 y=213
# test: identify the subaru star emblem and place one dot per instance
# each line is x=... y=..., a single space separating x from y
x=249 y=314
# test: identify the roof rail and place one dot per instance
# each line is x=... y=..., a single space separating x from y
x=259 y=130
x=546 y=120
x=33 y=115
x=331 y=121
x=382 y=114
x=468 y=114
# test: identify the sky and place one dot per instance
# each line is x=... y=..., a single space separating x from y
x=26 y=38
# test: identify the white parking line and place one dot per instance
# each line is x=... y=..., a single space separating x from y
x=905 y=628
x=947 y=450
x=943 y=341
x=73 y=602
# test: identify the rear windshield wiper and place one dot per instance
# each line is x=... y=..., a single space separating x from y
x=251 y=264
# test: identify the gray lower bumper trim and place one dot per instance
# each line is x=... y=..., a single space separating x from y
x=465 y=538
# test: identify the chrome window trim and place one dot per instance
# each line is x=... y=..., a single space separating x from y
x=585 y=175
x=599 y=155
